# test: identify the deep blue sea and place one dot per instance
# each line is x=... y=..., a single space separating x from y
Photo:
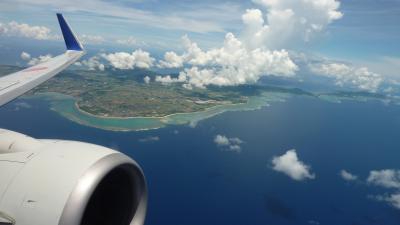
x=192 y=181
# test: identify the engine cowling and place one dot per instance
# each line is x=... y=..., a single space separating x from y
x=48 y=182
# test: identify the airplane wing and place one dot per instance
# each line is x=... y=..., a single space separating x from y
x=49 y=182
x=16 y=84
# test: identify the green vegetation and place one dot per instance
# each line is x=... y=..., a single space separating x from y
x=113 y=94
x=123 y=94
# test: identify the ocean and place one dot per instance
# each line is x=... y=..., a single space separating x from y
x=193 y=181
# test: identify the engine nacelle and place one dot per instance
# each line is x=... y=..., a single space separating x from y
x=49 y=182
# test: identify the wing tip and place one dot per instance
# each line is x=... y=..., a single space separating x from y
x=71 y=41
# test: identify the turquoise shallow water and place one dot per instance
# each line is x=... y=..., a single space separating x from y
x=65 y=105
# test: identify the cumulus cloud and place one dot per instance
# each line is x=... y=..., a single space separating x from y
x=348 y=176
x=93 y=63
x=258 y=52
x=344 y=74
x=146 y=79
x=171 y=60
x=168 y=79
x=16 y=29
x=388 y=178
x=124 y=60
x=228 y=144
x=221 y=140
x=392 y=199
x=25 y=56
x=232 y=64
x=290 y=165
x=235 y=148
x=287 y=21
x=35 y=61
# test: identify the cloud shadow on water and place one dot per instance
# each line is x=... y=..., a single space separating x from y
x=278 y=208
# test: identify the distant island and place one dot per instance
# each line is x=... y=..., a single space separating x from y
x=123 y=101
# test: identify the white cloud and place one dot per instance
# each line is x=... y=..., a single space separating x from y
x=101 y=67
x=15 y=29
x=290 y=165
x=40 y=59
x=287 y=22
x=34 y=61
x=168 y=79
x=221 y=140
x=93 y=63
x=171 y=60
x=392 y=199
x=236 y=141
x=237 y=61
x=348 y=176
x=146 y=79
x=235 y=148
x=25 y=56
x=232 y=64
x=388 y=178
x=124 y=60
x=228 y=144
x=344 y=74
x=385 y=178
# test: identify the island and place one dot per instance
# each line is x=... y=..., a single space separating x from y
x=122 y=101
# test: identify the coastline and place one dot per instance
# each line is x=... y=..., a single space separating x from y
x=150 y=117
x=67 y=107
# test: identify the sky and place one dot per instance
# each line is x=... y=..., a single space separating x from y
x=353 y=42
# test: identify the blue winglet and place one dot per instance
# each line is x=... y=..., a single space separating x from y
x=71 y=41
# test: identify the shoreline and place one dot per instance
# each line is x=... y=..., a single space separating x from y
x=150 y=117
x=115 y=129
x=67 y=106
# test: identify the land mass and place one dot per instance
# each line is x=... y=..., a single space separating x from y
x=122 y=94
x=121 y=100
x=116 y=94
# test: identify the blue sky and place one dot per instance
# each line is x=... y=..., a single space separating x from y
x=366 y=35
x=368 y=27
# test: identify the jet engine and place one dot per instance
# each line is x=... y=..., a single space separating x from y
x=49 y=182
